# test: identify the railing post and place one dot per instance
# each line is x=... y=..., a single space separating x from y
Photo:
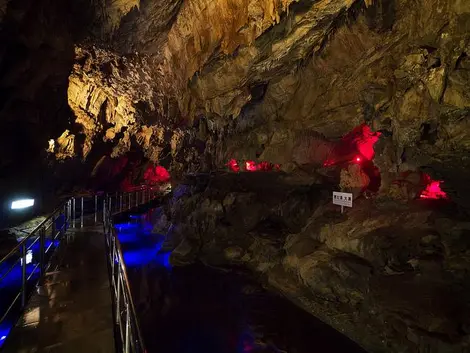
x=120 y=202
x=23 y=276
x=69 y=211
x=104 y=211
x=42 y=254
x=110 y=206
x=127 y=340
x=73 y=212
x=82 y=212
x=53 y=227
x=129 y=205
x=136 y=198
x=96 y=208
x=113 y=257
x=118 y=296
x=143 y=196
x=64 y=224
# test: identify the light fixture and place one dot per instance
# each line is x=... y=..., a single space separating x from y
x=29 y=257
x=20 y=204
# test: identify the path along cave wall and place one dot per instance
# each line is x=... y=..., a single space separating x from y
x=112 y=88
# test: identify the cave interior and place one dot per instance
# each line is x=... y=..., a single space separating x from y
x=253 y=112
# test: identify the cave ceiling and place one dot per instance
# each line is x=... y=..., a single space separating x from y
x=241 y=78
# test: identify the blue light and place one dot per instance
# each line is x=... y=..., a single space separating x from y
x=125 y=238
x=163 y=259
x=136 y=258
x=11 y=284
x=123 y=227
x=5 y=328
x=139 y=247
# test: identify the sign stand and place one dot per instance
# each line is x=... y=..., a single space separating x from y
x=342 y=199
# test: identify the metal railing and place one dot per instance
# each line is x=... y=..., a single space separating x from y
x=125 y=312
x=20 y=258
x=52 y=229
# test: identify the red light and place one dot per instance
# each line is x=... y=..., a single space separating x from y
x=360 y=141
x=250 y=166
x=433 y=189
x=161 y=174
x=233 y=165
x=156 y=175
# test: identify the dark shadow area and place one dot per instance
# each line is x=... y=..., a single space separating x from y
x=37 y=41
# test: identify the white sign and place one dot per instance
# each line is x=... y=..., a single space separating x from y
x=342 y=199
x=29 y=257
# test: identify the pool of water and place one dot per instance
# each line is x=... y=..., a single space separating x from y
x=196 y=309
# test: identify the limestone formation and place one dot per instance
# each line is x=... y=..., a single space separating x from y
x=122 y=86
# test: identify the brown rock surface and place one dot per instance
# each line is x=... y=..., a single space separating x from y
x=190 y=84
x=392 y=277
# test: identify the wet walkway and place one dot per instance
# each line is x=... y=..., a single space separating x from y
x=72 y=312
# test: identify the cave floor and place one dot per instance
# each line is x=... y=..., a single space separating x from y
x=72 y=311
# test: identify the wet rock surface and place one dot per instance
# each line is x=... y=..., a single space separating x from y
x=391 y=276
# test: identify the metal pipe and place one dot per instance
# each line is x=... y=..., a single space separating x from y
x=118 y=297
x=127 y=340
x=73 y=212
x=69 y=211
x=113 y=256
x=64 y=221
x=82 y=213
x=42 y=255
x=96 y=208
x=23 y=277
x=104 y=212
x=53 y=226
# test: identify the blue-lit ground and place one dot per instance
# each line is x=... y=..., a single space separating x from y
x=10 y=285
x=140 y=246
x=196 y=309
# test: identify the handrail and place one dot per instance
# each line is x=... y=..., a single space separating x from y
x=33 y=232
x=68 y=209
x=131 y=299
x=121 y=286
x=19 y=256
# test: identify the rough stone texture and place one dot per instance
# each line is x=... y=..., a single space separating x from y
x=391 y=276
x=189 y=84
x=251 y=79
x=278 y=80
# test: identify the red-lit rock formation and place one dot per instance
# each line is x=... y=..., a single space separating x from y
x=191 y=84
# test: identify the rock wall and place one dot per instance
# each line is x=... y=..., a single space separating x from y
x=276 y=80
x=392 y=277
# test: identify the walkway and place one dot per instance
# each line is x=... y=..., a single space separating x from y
x=73 y=310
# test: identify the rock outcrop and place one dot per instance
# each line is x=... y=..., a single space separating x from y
x=110 y=88
x=392 y=277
